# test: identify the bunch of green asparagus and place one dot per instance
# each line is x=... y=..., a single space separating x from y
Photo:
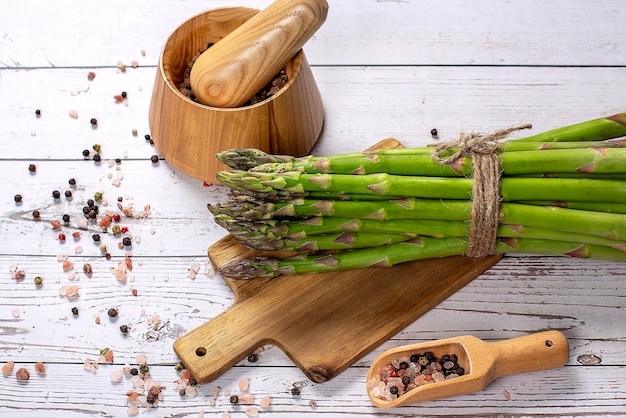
x=563 y=192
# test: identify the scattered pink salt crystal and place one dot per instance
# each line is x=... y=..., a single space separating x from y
x=141 y=359
x=73 y=114
x=132 y=410
x=55 y=223
x=506 y=395
x=16 y=313
x=226 y=414
x=40 y=368
x=117 y=375
x=8 y=367
x=246 y=398
x=252 y=412
x=265 y=402
x=67 y=265
x=243 y=384
x=71 y=291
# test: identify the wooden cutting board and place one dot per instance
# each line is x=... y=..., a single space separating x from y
x=324 y=321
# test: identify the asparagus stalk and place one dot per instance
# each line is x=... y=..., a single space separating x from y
x=578 y=134
x=324 y=242
x=302 y=235
x=511 y=189
x=602 y=224
x=599 y=129
x=415 y=249
x=415 y=162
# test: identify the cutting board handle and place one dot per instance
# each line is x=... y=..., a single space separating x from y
x=211 y=349
x=539 y=351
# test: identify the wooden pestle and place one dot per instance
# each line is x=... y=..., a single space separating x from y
x=238 y=66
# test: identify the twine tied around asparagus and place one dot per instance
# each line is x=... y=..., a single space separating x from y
x=486 y=199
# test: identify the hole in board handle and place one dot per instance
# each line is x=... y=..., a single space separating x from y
x=200 y=351
x=549 y=343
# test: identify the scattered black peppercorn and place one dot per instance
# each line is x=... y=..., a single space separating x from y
x=253 y=357
x=112 y=312
x=75 y=311
x=68 y=194
x=234 y=399
x=94 y=122
x=124 y=329
x=134 y=371
x=150 y=398
x=147 y=137
x=127 y=242
x=154 y=159
x=36 y=214
x=18 y=198
x=92 y=214
x=72 y=181
x=90 y=202
x=433 y=132
x=124 y=94
x=118 y=161
x=56 y=194
x=295 y=391
x=32 y=168
x=38 y=113
x=97 y=158
x=66 y=218
x=86 y=153
x=96 y=237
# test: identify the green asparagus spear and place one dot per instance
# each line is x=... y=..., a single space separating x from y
x=416 y=249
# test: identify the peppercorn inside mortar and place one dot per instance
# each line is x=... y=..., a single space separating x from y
x=400 y=375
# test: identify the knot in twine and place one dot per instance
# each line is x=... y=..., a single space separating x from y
x=486 y=199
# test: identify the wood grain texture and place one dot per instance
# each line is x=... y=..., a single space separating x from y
x=483 y=362
x=384 y=68
x=189 y=134
x=324 y=322
x=232 y=71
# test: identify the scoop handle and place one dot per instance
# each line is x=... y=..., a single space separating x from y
x=238 y=66
x=539 y=351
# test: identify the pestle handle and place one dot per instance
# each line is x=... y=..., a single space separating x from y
x=238 y=66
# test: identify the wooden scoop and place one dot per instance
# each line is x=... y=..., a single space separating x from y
x=238 y=66
x=482 y=361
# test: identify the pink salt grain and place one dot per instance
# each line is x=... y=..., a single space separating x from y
x=265 y=402
x=22 y=374
x=67 y=265
x=243 y=384
x=252 y=412
x=55 y=223
x=132 y=410
x=117 y=376
x=73 y=114
x=141 y=359
x=40 y=368
x=71 y=291
x=8 y=367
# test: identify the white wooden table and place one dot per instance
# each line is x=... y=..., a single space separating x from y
x=385 y=69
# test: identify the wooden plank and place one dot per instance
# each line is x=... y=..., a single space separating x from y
x=423 y=32
x=408 y=102
x=84 y=394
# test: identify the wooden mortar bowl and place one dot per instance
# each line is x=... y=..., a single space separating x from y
x=188 y=134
